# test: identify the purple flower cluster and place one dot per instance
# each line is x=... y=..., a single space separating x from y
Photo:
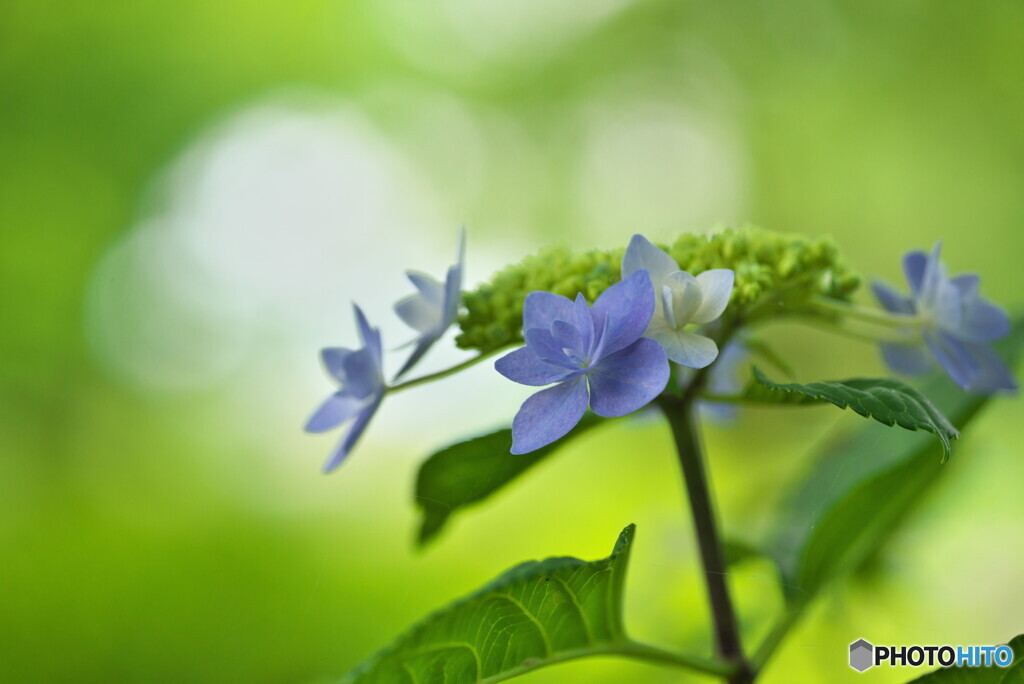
x=361 y=376
x=596 y=355
x=957 y=325
x=614 y=355
x=360 y=373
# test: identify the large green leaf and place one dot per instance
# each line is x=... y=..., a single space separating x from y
x=1014 y=674
x=887 y=400
x=860 y=489
x=537 y=613
x=470 y=471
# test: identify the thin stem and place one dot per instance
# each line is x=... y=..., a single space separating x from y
x=886 y=336
x=680 y=414
x=865 y=313
x=482 y=356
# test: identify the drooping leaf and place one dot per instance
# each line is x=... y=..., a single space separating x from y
x=1014 y=674
x=470 y=471
x=535 y=614
x=887 y=400
x=861 y=487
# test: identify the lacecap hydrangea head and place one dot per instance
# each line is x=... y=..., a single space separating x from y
x=771 y=270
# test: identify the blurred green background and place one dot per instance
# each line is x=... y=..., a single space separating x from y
x=192 y=193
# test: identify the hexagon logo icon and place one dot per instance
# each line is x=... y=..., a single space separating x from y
x=861 y=655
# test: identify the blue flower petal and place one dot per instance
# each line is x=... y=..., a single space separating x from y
x=957 y=326
x=982 y=321
x=353 y=435
x=549 y=415
x=333 y=359
x=993 y=374
x=452 y=295
x=724 y=376
x=953 y=356
x=369 y=335
x=333 y=412
x=891 y=299
x=362 y=373
x=526 y=368
x=935 y=290
x=568 y=337
x=627 y=306
x=417 y=313
x=541 y=309
x=432 y=310
x=906 y=359
x=628 y=379
x=542 y=343
x=583 y=322
x=453 y=283
x=430 y=288
x=914 y=265
x=967 y=284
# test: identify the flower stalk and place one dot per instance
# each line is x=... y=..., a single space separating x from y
x=680 y=412
x=866 y=313
x=441 y=374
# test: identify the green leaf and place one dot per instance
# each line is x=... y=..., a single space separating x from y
x=888 y=401
x=861 y=488
x=470 y=471
x=536 y=613
x=1014 y=674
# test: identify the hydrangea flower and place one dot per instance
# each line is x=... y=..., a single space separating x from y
x=680 y=300
x=433 y=308
x=725 y=378
x=576 y=345
x=956 y=324
x=361 y=377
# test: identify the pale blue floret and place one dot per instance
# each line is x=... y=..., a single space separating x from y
x=360 y=374
x=680 y=300
x=433 y=308
x=576 y=345
x=956 y=323
x=724 y=379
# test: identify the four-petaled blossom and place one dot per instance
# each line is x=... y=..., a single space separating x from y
x=956 y=325
x=680 y=299
x=361 y=378
x=434 y=308
x=573 y=344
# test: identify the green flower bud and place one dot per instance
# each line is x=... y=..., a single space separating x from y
x=770 y=268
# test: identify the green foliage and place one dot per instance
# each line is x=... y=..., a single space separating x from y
x=535 y=614
x=769 y=267
x=861 y=488
x=887 y=400
x=470 y=471
x=982 y=675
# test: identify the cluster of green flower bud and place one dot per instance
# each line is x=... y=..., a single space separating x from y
x=767 y=264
